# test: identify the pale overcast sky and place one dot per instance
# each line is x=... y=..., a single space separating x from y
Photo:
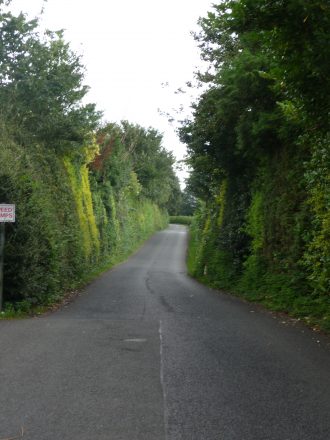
x=130 y=48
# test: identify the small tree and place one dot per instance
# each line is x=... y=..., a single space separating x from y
x=41 y=85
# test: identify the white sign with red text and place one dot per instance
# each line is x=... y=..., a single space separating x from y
x=7 y=213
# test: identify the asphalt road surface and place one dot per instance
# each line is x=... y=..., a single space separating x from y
x=146 y=353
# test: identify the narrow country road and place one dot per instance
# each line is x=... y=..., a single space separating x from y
x=146 y=353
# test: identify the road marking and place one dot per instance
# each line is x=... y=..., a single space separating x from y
x=162 y=381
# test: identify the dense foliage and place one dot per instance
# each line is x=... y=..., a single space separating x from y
x=86 y=194
x=259 y=148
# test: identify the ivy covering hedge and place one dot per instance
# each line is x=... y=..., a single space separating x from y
x=67 y=225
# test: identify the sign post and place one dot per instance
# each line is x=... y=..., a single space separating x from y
x=7 y=215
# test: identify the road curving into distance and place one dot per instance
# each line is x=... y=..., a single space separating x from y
x=147 y=353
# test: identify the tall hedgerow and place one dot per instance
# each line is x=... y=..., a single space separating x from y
x=86 y=194
x=262 y=127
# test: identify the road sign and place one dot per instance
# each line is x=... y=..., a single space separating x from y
x=7 y=213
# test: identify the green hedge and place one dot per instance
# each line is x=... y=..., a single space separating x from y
x=67 y=226
x=269 y=243
x=180 y=219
